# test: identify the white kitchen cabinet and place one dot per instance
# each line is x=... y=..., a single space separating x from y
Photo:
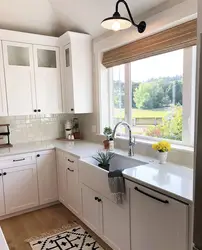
x=92 y=209
x=116 y=225
x=76 y=55
x=19 y=76
x=61 y=174
x=47 y=177
x=3 y=99
x=157 y=221
x=73 y=189
x=47 y=79
x=20 y=188
x=2 y=204
x=109 y=220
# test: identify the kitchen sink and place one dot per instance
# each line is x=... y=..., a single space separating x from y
x=119 y=162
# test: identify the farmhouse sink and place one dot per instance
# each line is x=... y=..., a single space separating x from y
x=118 y=162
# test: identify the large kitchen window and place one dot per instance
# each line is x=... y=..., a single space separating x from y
x=155 y=96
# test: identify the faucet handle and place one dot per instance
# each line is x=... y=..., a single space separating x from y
x=133 y=141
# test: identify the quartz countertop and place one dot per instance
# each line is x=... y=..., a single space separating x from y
x=78 y=149
x=170 y=179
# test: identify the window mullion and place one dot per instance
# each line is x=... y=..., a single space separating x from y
x=188 y=83
x=128 y=92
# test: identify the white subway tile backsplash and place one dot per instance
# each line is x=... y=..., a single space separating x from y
x=35 y=127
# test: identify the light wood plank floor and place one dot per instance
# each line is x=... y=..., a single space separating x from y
x=22 y=227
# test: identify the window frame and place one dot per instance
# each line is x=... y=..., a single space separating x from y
x=189 y=81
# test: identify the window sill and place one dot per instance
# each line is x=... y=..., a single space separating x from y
x=176 y=146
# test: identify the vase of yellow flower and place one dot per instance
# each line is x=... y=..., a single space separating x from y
x=162 y=147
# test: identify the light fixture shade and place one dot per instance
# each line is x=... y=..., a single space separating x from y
x=116 y=23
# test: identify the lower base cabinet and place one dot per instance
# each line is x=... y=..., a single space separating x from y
x=20 y=188
x=68 y=182
x=116 y=225
x=47 y=176
x=2 y=205
x=92 y=209
x=109 y=220
x=157 y=221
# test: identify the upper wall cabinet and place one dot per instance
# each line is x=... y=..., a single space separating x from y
x=3 y=104
x=47 y=77
x=76 y=55
x=32 y=76
x=19 y=75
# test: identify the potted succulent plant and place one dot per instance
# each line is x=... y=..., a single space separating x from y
x=107 y=132
x=103 y=158
x=163 y=147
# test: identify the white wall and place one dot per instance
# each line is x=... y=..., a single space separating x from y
x=179 y=13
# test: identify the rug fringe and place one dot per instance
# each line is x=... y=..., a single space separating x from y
x=52 y=232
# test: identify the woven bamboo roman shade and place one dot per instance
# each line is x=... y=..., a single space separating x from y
x=178 y=37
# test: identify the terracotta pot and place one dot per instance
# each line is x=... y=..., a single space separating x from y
x=106 y=144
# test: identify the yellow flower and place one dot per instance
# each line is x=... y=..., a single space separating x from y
x=162 y=146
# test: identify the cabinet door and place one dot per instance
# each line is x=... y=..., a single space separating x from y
x=116 y=226
x=47 y=177
x=47 y=78
x=3 y=100
x=92 y=209
x=19 y=75
x=2 y=204
x=68 y=80
x=157 y=222
x=73 y=189
x=20 y=188
x=61 y=177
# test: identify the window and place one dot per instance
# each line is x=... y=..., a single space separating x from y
x=156 y=96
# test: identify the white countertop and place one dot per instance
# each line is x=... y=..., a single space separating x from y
x=79 y=149
x=170 y=179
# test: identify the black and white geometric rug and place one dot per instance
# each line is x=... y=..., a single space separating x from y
x=75 y=238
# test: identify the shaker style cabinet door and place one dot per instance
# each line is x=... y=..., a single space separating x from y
x=92 y=209
x=73 y=189
x=2 y=204
x=3 y=99
x=47 y=78
x=61 y=174
x=116 y=225
x=47 y=177
x=68 y=79
x=20 y=188
x=19 y=77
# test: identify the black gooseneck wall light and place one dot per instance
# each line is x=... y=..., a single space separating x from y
x=117 y=22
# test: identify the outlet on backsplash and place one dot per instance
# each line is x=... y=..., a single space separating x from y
x=35 y=127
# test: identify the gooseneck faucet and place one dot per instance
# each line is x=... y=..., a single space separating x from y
x=131 y=139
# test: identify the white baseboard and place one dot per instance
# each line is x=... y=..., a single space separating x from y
x=7 y=216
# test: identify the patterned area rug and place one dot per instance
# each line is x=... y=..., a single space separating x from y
x=75 y=238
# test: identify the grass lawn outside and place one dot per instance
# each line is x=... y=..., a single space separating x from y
x=141 y=113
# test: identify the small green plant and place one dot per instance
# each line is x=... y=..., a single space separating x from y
x=108 y=132
x=103 y=158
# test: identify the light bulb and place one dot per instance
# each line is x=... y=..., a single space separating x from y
x=116 y=26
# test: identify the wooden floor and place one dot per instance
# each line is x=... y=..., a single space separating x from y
x=25 y=226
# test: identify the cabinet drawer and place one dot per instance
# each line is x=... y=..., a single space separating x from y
x=71 y=161
x=17 y=160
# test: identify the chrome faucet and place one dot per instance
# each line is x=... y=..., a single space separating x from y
x=131 y=139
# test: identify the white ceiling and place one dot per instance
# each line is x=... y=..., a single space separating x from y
x=54 y=17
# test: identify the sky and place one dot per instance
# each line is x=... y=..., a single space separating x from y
x=169 y=64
